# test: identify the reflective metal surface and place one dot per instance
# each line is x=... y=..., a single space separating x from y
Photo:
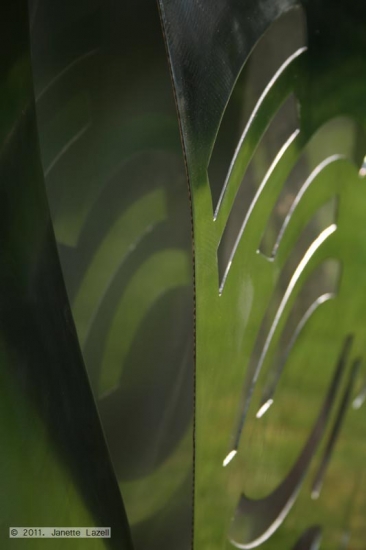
x=105 y=418
x=54 y=463
x=116 y=185
x=104 y=280
x=279 y=202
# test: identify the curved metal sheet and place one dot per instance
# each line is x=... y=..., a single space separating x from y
x=55 y=468
x=116 y=185
x=295 y=180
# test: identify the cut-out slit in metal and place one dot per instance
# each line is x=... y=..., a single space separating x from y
x=324 y=217
x=285 y=152
x=283 y=125
x=287 y=283
x=275 y=373
x=320 y=287
x=256 y=520
x=267 y=56
x=333 y=139
x=229 y=458
x=320 y=474
x=285 y=207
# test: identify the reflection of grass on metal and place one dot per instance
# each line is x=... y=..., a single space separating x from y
x=147 y=496
x=120 y=214
x=158 y=275
x=121 y=239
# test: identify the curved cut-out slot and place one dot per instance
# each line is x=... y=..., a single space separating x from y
x=333 y=437
x=324 y=217
x=298 y=261
x=259 y=209
x=321 y=286
x=268 y=55
x=311 y=195
x=337 y=136
x=256 y=520
x=283 y=125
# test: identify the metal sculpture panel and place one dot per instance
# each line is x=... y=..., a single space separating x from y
x=115 y=181
x=96 y=269
x=55 y=467
x=279 y=267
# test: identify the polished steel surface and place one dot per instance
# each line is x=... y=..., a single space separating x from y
x=116 y=186
x=55 y=468
x=278 y=204
x=210 y=404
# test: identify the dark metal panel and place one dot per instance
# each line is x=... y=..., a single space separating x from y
x=55 y=468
